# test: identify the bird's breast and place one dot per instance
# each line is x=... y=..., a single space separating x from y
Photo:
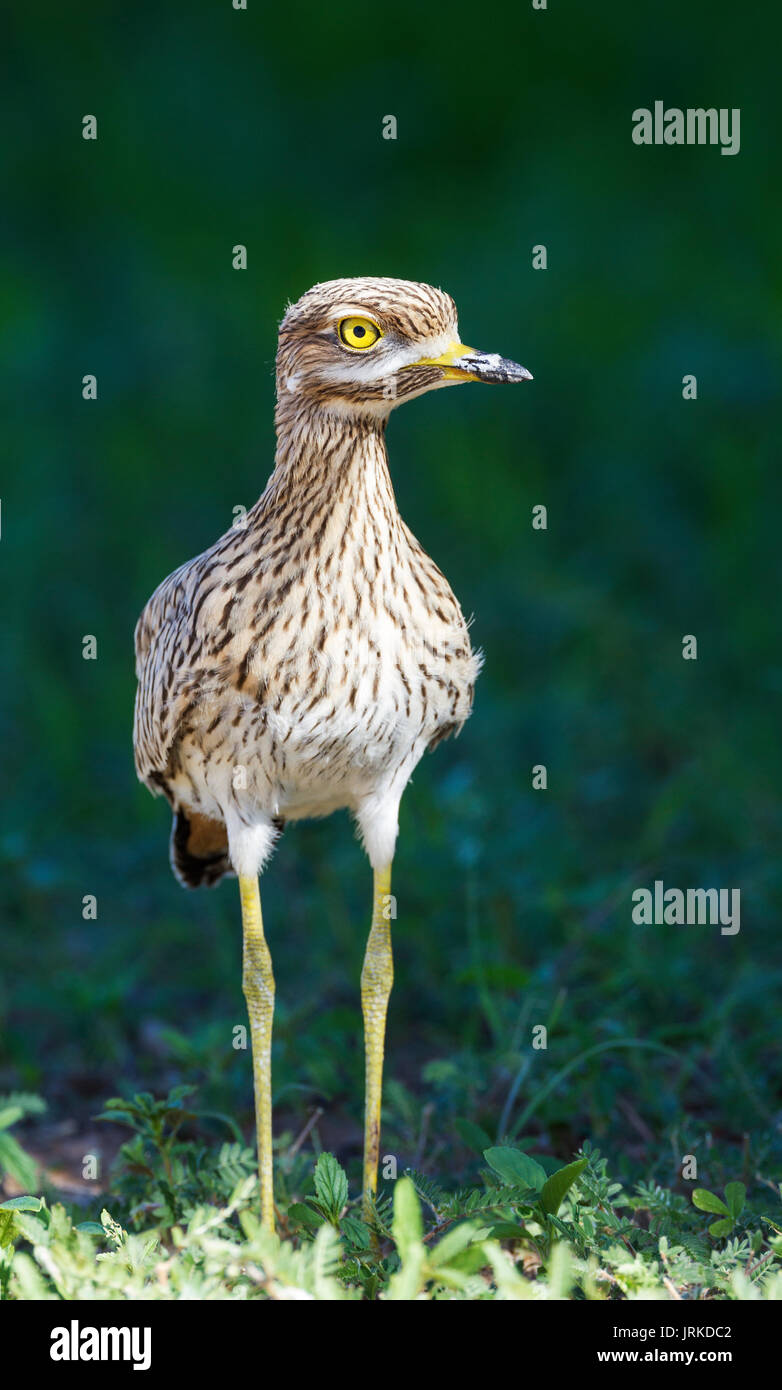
x=313 y=679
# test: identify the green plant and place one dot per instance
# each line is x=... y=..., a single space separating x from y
x=729 y=1211
x=14 y=1161
x=525 y=1227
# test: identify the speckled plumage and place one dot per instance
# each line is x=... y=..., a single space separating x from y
x=307 y=659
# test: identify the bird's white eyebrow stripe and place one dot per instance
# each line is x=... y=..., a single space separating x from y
x=350 y=311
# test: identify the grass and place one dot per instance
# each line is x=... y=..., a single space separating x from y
x=182 y=1222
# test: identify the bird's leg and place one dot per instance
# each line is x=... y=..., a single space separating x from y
x=377 y=978
x=258 y=986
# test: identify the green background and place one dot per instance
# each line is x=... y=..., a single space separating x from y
x=219 y=127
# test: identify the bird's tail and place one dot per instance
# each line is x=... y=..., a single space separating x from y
x=199 y=849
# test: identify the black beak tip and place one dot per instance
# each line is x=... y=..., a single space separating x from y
x=514 y=371
x=489 y=366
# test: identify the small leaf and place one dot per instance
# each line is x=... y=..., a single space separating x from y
x=331 y=1184
x=356 y=1232
x=515 y=1168
x=721 y=1228
x=708 y=1201
x=22 y=1204
x=120 y=1117
x=555 y=1187
x=26 y=1101
x=407 y=1226
x=472 y=1135
x=179 y=1093
x=91 y=1228
x=506 y=1230
x=7 y=1228
x=249 y=1223
x=14 y=1160
x=453 y=1243
x=735 y=1196
x=305 y=1216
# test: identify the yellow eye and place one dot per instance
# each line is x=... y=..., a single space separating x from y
x=358 y=333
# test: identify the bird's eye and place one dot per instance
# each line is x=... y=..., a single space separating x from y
x=358 y=333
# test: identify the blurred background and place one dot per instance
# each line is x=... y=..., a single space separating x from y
x=264 y=127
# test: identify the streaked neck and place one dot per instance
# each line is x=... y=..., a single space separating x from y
x=324 y=452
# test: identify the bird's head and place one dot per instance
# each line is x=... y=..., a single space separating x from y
x=360 y=347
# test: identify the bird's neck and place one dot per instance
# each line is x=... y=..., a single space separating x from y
x=328 y=459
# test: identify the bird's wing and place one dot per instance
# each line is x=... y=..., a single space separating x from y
x=155 y=718
x=174 y=665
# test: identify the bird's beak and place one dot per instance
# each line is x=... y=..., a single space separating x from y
x=460 y=363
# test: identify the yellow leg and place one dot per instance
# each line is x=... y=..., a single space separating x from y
x=377 y=978
x=258 y=986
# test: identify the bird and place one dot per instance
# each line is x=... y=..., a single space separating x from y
x=306 y=661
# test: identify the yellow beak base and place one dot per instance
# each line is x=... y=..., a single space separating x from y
x=460 y=363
